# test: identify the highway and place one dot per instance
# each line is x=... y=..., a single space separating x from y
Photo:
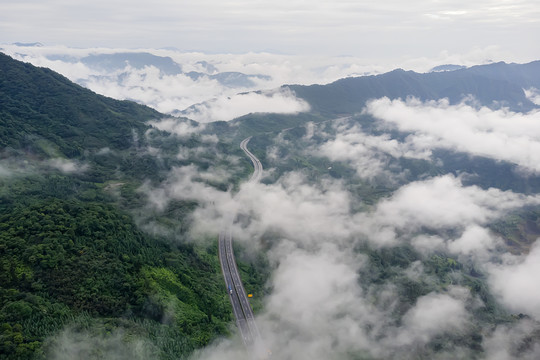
x=237 y=294
x=257 y=166
x=239 y=300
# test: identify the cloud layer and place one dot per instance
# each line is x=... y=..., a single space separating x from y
x=320 y=27
x=210 y=86
x=319 y=244
x=280 y=102
x=320 y=307
x=497 y=134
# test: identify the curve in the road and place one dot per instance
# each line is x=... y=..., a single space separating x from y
x=242 y=311
x=257 y=166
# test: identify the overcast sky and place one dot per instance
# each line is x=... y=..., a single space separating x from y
x=374 y=29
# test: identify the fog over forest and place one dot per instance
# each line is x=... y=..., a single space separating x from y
x=404 y=229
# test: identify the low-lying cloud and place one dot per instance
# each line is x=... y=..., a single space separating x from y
x=443 y=202
x=498 y=134
x=433 y=314
x=78 y=344
x=533 y=94
x=515 y=282
x=369 y=155
x=198 y=81
x=177 y=126
x=320 y=307
x=67 y=166
x=227 y=108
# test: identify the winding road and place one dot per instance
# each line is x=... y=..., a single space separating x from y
x=257 y=166
x=237 y=294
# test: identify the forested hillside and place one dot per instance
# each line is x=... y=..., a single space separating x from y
x=38 y=103
x=382 y=228
x=74 y=261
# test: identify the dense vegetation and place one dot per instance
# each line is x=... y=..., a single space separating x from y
x=38 y=103
x=293 y=150
x=77 y=264
x=72 y=256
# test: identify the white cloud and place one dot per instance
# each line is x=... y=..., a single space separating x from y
x=475 y=239
x=498 y=134
x=165 y=93
x=515 y=282
x=178 y=126
x=66 y=165
x=432 y=315
x=506 y=342
x=533 y=94
x=440 y=204
x=318 y=307
x=428 y=244
x=368 y=154
x=318 y=27
x=317 y=213
x=172 y=93
x=75 y=344
x=230 y=107
x=443 y=202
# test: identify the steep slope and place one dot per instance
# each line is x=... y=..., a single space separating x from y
x=39 y=103
x=74 y=261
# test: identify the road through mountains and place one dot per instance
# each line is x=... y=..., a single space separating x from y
x=237 y=294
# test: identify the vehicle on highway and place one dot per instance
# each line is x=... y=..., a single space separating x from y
x=230 y=290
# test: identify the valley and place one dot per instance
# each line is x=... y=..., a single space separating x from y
x=396 y=218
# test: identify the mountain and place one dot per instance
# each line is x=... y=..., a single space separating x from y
x=108 y=224
x=115 y=62
x=231 y=79
x=34 y=44
x=118 y=61
x=75 y=259
x=38 y=103
x=493 y=85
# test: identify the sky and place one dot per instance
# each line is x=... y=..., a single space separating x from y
x=372 y=29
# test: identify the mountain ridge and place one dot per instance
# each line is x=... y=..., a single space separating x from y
x=88 y=119
x=75 y=254
x=493 y=85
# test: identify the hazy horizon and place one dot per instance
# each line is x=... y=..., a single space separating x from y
x=379 y=31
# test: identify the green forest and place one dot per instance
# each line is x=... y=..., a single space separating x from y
x=71 y=253
x=86 y=260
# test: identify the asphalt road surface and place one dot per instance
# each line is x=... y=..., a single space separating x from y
x=237 y=294
x=257 y=166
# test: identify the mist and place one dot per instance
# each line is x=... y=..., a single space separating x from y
x=327 y=297
x=406 y=230
x=349 y=276
x=498 y=134
x=86 y=345
x=320 y=306
x=211 y=87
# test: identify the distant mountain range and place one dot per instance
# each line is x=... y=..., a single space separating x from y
x=113 y=63
x=494 y=85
